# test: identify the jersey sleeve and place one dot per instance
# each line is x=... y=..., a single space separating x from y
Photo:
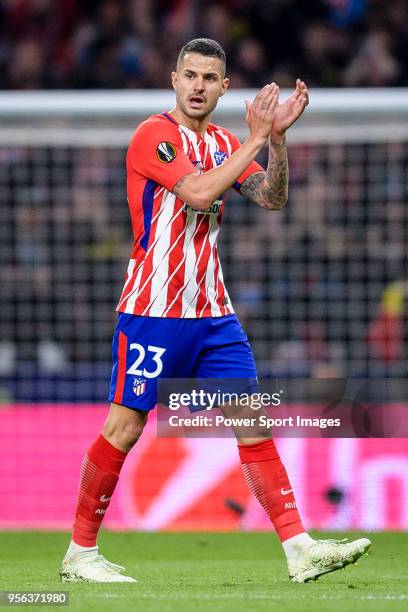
x=156 y=152
x=251 y=169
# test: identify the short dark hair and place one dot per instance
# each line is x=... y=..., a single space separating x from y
x=203 y=46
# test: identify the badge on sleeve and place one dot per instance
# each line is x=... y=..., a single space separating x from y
x=166 y=152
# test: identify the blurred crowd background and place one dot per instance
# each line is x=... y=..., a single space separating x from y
x=321 y=287
x=65 y=44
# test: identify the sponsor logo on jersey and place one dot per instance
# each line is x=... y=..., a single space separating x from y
x=214 y=209
x=139 y=386
x=290 y=505
x=220 y=157
x=166 y=152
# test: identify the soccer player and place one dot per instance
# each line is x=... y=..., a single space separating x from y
x=175 y=316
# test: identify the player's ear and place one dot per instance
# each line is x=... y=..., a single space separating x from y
x=174 y=79
x=225 y=84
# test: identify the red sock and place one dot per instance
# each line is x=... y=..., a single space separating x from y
x=267 y=478
x=99 y=475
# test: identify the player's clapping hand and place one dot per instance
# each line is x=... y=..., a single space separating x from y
x=287 y=113
x=259 y=114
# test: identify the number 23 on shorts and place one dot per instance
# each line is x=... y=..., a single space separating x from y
x=136 y=368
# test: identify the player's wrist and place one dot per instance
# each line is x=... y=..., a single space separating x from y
x=256 y=141
x=277 y=139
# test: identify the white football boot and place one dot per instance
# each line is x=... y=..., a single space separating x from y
x=91 y=567
x=325 y=556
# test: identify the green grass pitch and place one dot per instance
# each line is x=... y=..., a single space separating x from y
x=208 y=572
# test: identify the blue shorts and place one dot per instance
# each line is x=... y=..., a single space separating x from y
x=147 y=348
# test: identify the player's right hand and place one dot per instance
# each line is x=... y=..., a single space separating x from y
x=259 y=114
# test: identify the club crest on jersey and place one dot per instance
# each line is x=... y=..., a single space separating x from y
x=220 y=157
x=139 y=386
x=166 y=152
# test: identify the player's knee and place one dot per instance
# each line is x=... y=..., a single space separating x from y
x=124 y=435
x=254 y=436
x=124 y=427
x=255 y=440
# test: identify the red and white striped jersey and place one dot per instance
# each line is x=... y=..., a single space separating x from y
x=174 y=270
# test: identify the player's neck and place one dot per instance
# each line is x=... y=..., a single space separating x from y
x=197 y=125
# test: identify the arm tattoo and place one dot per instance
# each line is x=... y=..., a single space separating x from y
x=179 y=184
x=251 y=187
x=269 y=189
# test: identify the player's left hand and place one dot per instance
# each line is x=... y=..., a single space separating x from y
x=287 y=113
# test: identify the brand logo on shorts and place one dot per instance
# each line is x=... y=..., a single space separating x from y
x=166 y=152
x=139 y=386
